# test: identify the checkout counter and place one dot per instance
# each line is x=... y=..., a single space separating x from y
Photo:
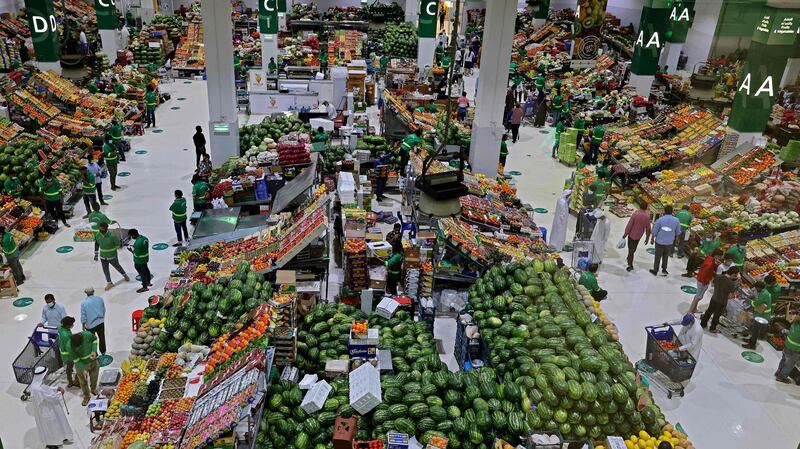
x=270 y=93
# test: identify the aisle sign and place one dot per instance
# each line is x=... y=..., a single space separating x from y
x=428 y=9
x=652 y=35
x=267 y=17
x=774 y=41
x=681 y=18
x=44 y=29
x=106 y=11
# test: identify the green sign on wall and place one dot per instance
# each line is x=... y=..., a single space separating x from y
x=541 y=9
x=44 y=29
x=681 y=18
x=428 y=9
x=653 y=28
x=774 y=40
x=267 y=17
x=106 y=11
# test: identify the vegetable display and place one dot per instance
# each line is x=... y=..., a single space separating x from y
x=28 y=159
x=400 y=40
x=255 y=136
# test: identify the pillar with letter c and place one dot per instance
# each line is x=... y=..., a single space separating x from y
x=268 y=29
x=426 y=30
x=107 y=21
x=43 y=26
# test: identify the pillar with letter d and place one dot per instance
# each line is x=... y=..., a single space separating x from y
x=107 y=21
x=426 y=30
x=44 y=33
x=652 y=36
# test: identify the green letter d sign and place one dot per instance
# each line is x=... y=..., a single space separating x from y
x=268 y=16
x=44 y=29
x=106 y=11
x=428 y=9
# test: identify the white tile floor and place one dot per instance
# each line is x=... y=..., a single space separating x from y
x=737 y=402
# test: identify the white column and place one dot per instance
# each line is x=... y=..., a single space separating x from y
x=110 y=40
x=45 y=66
x=147 y=10
x=791 y=72
x=462 y=22
x=701 y=35
x=412 y=11
x=487 y=128
x=670 y=55
x=538 y=23
x=269 y=49
x=426 y=49
x=642 y=84
x=218 y=39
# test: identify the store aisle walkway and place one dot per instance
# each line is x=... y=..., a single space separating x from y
x=143 y=203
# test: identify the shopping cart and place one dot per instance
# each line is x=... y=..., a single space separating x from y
x=677 y=368
x=41 y=350
x=122 y=235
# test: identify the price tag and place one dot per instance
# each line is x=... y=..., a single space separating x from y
x=594 y=317
x=154 y=44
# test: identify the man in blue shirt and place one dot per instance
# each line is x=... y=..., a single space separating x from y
x=665 y=231
x=52 y=313
x=93 y=316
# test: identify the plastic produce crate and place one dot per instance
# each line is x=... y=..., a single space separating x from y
x=659 y=358
x=532 y=445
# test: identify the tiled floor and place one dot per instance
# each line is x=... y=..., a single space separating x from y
x=730 y=403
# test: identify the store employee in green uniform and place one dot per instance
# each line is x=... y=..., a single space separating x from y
x=13 y=186
x=320 y=136
x=272 y=67
x=589 y=280
x=791 y=352
x=762 y=308
x=685 y=219
x=141 y=255
x=109 y=244
x=738 y=252
x=409 y=143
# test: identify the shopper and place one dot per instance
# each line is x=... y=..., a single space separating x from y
x=48 y=411
x=13 y=186
x=469 y=62
x=708 y=245
x=84 y=356
x=141 y=256
x=503 y=149
x=111 y=156
x=638 y=226
x=791 y=352
x=11 y=251
x=83 y=43
x=559 y=130
x=395 y=236
x=438 y=52
x=88 y=189
x=558 y=231
x=685 y=219
x=394 y=267
x=204 y=169
x=589 y=280
x=665 y=231
x=762 y=308
x=724 y=285
x=600 y=234
x=515 y=121
x=320 y=136
x=94 y=168
x=178 y=209
x=51 y=190
x=690 y=336
x=150 y=102
x=705 y=274
x=598 y=133
x=199 y=140
x=52 y=313
x=463 y=104
x=65 y=348
x=108 y=243
x=541 y=111
x=93 y=316
x=381 y=175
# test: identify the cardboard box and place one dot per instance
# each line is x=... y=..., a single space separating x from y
x=344 y=431
x=285 y=277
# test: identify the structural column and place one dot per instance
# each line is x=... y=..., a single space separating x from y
x=487 y=128
x=268 y=20
x=774 y=41
x=44 y=34
x=681 y=17
x=653 y=29
x=426 y=30
x=223 y=118
x=107 y=20
x=412 y=10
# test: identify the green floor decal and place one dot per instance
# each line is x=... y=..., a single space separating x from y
x=540 y=210
x=23 y=302
x=123 y=174
x=105 y=360
x=752 y=357
x=160 y=246
x=651 y=250
x=688 y=289
x=64 y=249
x=140 y=152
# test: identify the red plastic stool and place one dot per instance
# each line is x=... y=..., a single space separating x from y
x=136 y=317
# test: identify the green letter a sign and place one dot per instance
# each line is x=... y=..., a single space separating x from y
x=268 y=16
x=44 y=29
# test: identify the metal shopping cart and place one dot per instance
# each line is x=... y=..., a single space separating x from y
x=41 y=350
x=662 y=367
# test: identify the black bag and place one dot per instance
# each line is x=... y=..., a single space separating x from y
x=50 y=226
x=165 y=96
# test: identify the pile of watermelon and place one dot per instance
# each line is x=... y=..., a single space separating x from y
x=540 y=333
x=212 y=309
x=271 y=127
x=400 y=40
x=24 y=159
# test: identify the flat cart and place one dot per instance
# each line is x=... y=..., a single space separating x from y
x=662 y=355
x=40 y=350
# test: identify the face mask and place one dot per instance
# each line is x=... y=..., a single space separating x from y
x=51 y=304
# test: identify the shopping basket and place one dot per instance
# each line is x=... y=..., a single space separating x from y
x=38 y=351
x=677 y=369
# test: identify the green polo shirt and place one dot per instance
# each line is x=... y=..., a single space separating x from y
x=9 y=245
x=598 y=134
x=141 y=250
x=199 y=192
x=775 y=291
x=393 y=266
x=116 y=132
x=384 y=61
x=410 y=142
x=446 y=61
x=580 y=124
x=559 y=130
x=82 y=355
x=64 y=344
x=558 y=102
x=589 y=281
x=178 y=209
x=110 y=154
x=503 y=148
x=685 y=218
x=540 y=80
x=764 y=298
x=793 y=339
x=150 y=99
x=272 y=67
x=119 y=89
x=109 y=244
x=600 y=187
x=737 y=253
x=92 y=88
x=51 y=190
x=320 y=137
x=89 y=186
x=708 y=246
x=95 y=218
x=13 y=187
x=602 y=169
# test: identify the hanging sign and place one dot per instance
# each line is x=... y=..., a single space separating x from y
x=652 y=35
x=589 y=18
x=44 y=29
x=267 y=17
x=106 y=11
x=428 y=9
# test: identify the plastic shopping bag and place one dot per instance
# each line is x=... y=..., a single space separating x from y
x=621 y=243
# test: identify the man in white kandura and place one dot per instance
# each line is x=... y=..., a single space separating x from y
x=48 y=411
x=691 y=335
x=558 y=232
x=602 y=230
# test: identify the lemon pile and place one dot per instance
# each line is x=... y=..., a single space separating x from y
x=644 y=441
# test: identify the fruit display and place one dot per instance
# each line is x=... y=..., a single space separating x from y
x=254 y=136
x=400 y=40
x=191 y=51
x=744 y=168
x=294 y=152
x=382 y=13
x=34 y=107
x=681 y=185
x=28 y=159
x=144 y=342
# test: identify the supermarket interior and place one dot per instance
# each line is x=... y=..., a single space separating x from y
x=400 y=224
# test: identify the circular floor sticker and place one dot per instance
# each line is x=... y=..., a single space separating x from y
x=752 y=357
x=64 y=249
x=140 y=152
x=158 y=130
x=139 y=277
x=542 y=131
x=187 y=82
x=540 y=210
x=107 y=197
x=181 y=98
x=514 y=173
x=23 y=302
x=175 y=108
x=688 y=289
x=105 y=360
x=651 y=250
x=160 y=246
x=123 y=174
